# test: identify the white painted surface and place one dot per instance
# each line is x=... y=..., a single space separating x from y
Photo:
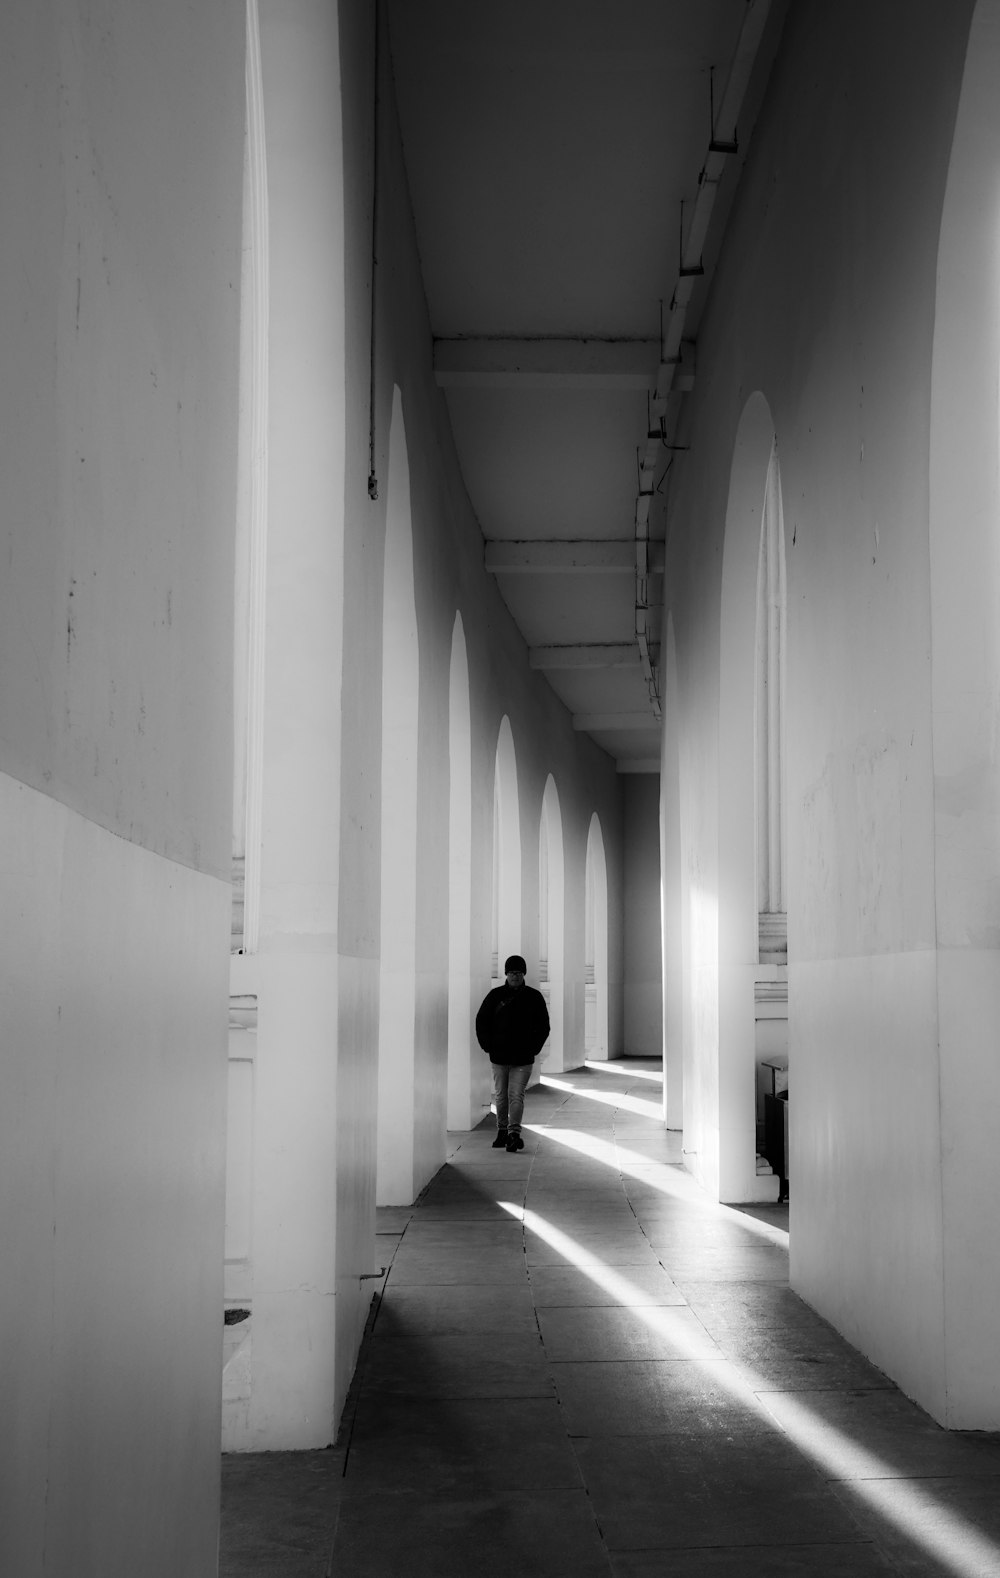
x=507 y=864
x=400 y=713
x=643 y=948
x=296 y=1167
x=738 y=859
x=120 y=154
x=112 y=1134
x=597 y=984
x=117 y=414
x=554 y=1056
x=865 y=1164
x=462 y=1048
x=965 y=612
x=671 y=900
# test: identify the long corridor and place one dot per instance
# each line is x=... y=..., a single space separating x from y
x=579 y=1365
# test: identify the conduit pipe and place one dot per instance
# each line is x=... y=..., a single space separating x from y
x=721 y=148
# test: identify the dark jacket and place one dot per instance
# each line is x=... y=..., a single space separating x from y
x=513 y=1024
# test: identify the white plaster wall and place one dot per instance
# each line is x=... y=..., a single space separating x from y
x=672 y=934
x=120 y=176
x=112 y=1021
x=824 y=301
x=965 y=566
x=643 y=953
x=300 y=1275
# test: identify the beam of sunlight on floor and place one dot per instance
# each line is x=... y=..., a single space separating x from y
x=622 y=1071
x=961 y=1548
x=627 y=1103
x=667 y=1177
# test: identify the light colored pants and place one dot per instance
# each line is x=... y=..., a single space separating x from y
x=509 y=1082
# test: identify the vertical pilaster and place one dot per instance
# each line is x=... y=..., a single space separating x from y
x=294 y=732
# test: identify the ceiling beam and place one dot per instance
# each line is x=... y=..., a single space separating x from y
x=641 y=764
x=596 y=654
x=601 y=722
x=535 y=556
x=502 y=363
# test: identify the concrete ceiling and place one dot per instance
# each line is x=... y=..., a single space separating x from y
x=549 y=146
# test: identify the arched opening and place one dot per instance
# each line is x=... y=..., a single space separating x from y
x=771 y=981
x=461 y=1039
x=551 y=920
x=398 y=924
x=741 y=976
x=595 y=1019
x=506 y=853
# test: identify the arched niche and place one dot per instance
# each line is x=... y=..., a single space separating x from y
x=398 y=924
x=964 y=524
x=739 y=968
x=506 y=852
x=596 y=945
x=552 y=920
x=461 y=1038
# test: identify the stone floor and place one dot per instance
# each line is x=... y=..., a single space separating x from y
x=578 y=1365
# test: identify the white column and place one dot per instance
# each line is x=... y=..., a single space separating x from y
x=289 y=1388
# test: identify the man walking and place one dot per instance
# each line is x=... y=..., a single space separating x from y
x=512 y=1026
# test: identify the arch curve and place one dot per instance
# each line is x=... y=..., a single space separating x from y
x=506 y=852
x=552 y=919
x=732 y=1171
x=596 y=1038
x=398 y=893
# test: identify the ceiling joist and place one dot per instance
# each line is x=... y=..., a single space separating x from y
x=595 y=654
x=507 y=363
x=581 y=555
x=604 y=722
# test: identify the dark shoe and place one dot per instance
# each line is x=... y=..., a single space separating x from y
x=515 y=1142
x=501 y=1140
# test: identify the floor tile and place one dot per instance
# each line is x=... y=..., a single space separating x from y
x=727 y=1265
x=930 y=1527
x=867 y=1434
x=806 y=1360
x=651 y=1396
x=430 y=1231
x=593 y=1251
x=420 y=1271
x=414 y=1444
x=694 y=1237
x=491 y=1364
x=279 y=1512
x=607 y=1333
x=765 y=1561
x=759 y=1507
x=721 y=1306
x=558 y=1286
x=441 y=1310
x=546 y=1534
